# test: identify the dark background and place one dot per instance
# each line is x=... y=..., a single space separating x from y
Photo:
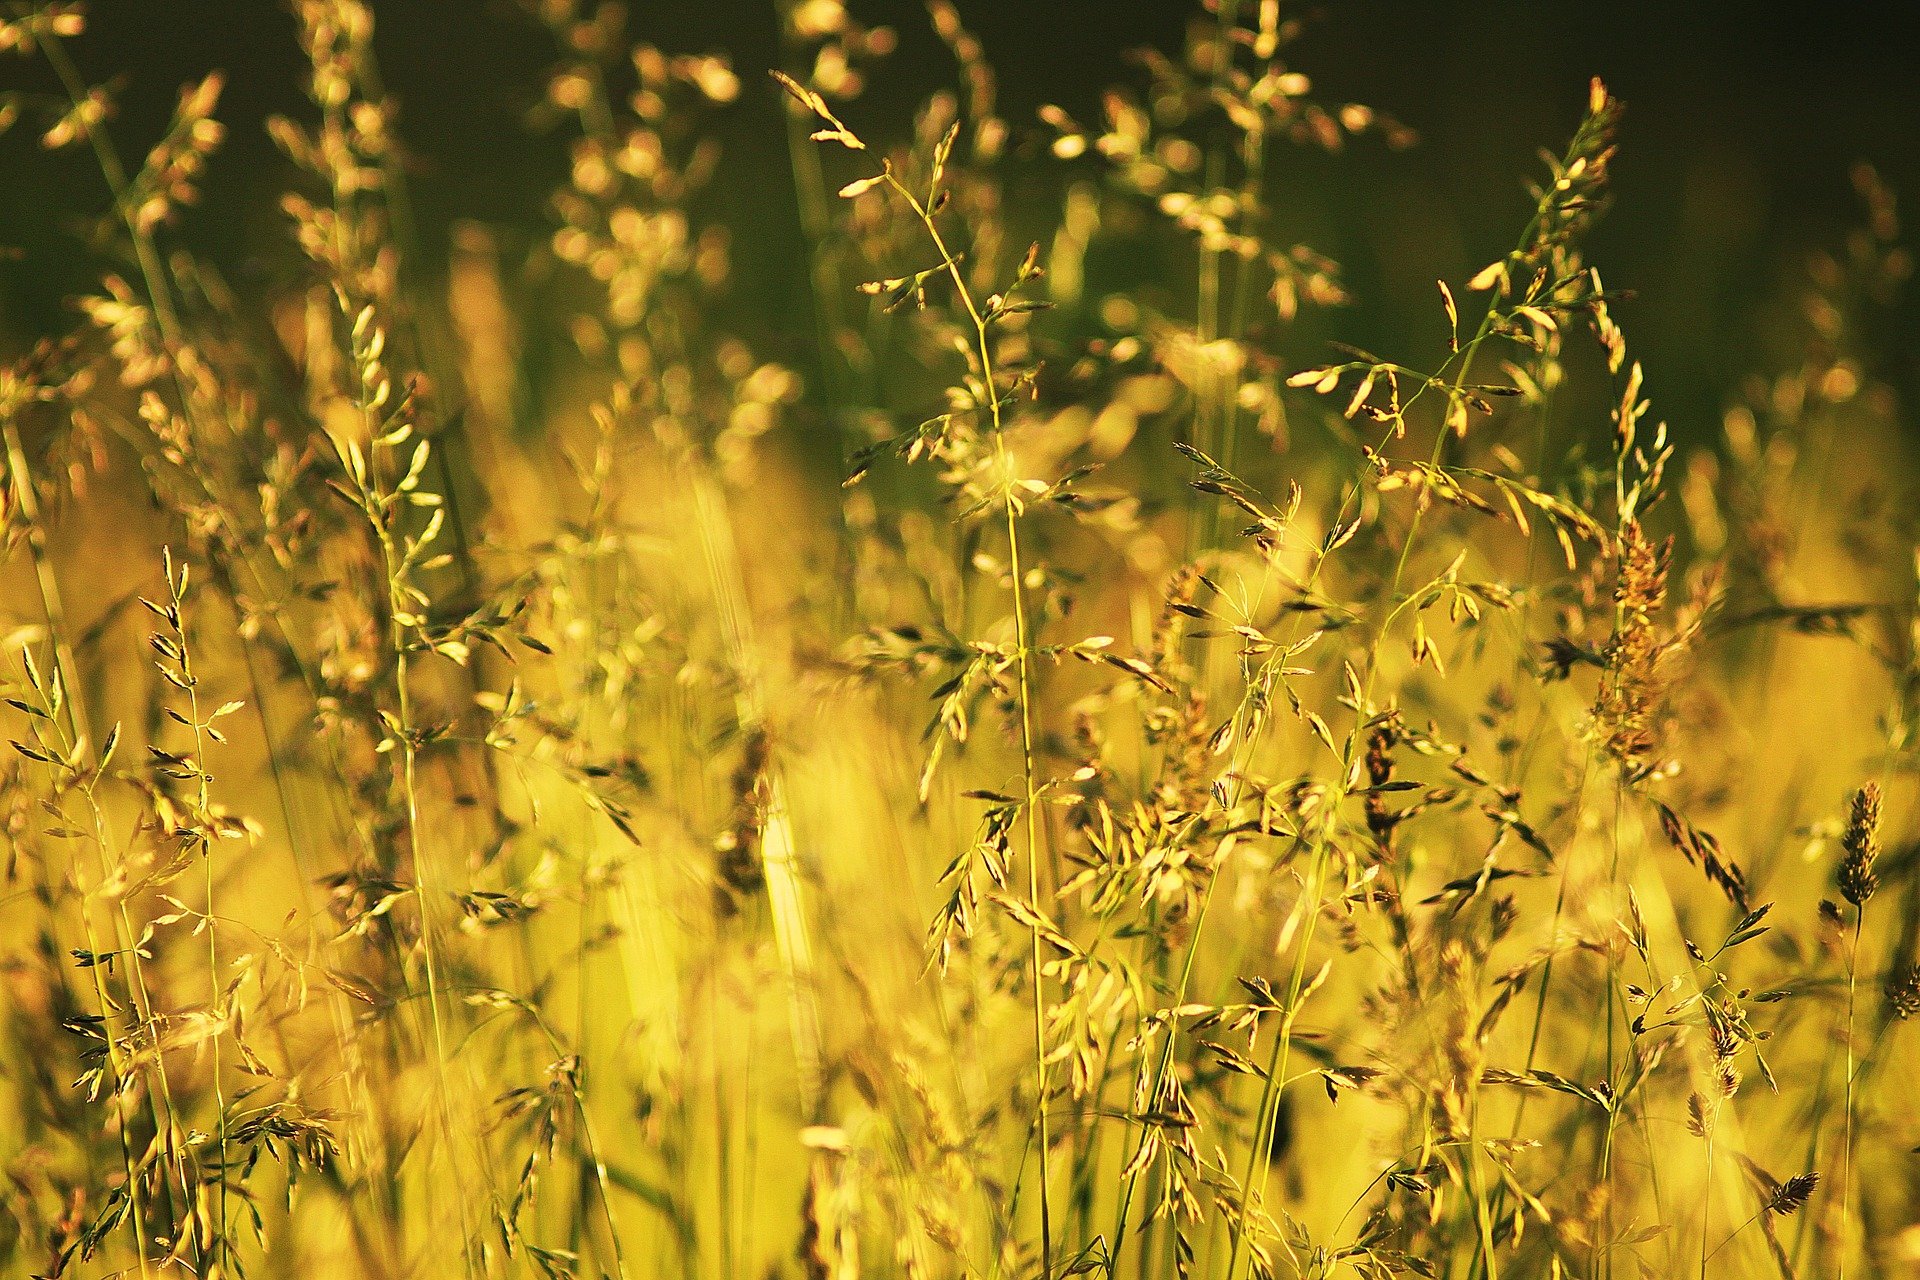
x=1742 y=122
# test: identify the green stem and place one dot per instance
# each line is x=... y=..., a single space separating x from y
x=1846 y=1144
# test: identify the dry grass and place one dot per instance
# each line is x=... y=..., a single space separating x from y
x=1240 y=814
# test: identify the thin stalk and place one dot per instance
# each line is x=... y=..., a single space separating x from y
x=1706 y=1198
x=204 y=803
x=1606 y=1157
x=1260 y=1154
x=79 y=736
x=148 y=259
x=1483 y=1217
x=1022 y=661
x=1243 y=752
x=425 y=890
x=1846 y=1141
x=123 y=1076
x=1033 y=856
x=1259 y=1158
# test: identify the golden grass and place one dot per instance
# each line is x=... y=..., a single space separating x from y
x=1233 y=815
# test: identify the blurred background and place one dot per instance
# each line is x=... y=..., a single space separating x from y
x=1743 y=122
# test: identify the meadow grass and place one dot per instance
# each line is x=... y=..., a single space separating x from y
x=1186 y=799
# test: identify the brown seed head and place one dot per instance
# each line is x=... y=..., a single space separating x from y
x=1861 y=844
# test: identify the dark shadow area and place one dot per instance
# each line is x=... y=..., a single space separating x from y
x=1743 y=122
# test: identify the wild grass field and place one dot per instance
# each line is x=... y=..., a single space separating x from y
x=1053 y=779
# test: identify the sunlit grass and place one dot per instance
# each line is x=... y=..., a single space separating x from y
x=1194 y=801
